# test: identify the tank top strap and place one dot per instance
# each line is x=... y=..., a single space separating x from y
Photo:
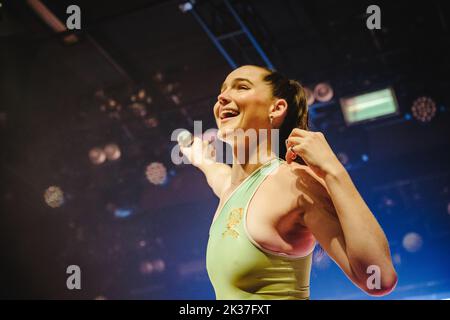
x=246 y=191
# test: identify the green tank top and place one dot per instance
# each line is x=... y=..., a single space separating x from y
x=237 y=266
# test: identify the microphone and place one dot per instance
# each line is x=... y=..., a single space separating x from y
x=185 y=139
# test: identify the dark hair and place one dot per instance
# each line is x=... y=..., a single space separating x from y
x=297 y=111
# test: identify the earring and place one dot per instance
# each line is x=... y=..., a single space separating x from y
x=271 y=121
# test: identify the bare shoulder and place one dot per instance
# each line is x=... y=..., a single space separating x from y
x=293 y=174
x=312 y=187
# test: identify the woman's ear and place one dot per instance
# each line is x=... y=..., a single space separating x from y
x=278 y=111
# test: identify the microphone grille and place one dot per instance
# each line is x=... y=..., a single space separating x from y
x=184 y=138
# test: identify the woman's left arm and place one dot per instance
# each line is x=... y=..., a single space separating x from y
x=363 y=242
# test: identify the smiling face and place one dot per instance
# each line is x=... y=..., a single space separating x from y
x=244 y=101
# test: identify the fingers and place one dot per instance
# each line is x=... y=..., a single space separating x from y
x=299 y=133
x=196 y=140
x=287 y=158
x=290 y=154
x=293 y=141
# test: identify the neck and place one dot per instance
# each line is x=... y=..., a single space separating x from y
x=247 y=159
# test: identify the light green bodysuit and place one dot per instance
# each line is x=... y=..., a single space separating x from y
x=241 y=269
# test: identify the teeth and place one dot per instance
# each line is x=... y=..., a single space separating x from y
x=229 y=113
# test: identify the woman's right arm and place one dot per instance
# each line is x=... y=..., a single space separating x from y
x=217 y=175
x=201 y=155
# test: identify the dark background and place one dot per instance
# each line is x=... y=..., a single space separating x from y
x=50 y=118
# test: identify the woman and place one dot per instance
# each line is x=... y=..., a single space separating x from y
x=272 y=212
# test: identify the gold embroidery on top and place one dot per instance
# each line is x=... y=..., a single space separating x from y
x=234 y=219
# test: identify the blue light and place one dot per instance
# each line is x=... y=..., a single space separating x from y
x=365 y=157
x=122 y=213
x=185 y=7
x=408 y=116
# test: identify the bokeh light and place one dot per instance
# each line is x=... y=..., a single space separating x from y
x=159 y=265
x=139 y=109
x=54 y=196
x=112 y=151
x=323 y=92
x=97 y=156
x=423 y=109
x=412 y=242
x=156 y=173
x=146 y=267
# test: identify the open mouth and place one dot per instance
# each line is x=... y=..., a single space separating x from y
x=228 y=114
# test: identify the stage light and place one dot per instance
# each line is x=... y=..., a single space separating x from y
x=156 y=173
x=151 y=122
x=309 y=96
x=141 y=94
x=158 y=77
x=369 y=106
x=412 y=242
x=112 y=151
x=146 y=267
x=424 y=109
x=52 y=20
x=142 y=244
x=97 y=156
x=54 y=196
x=139 y=109
x=323 y=92
x=388 y=202
x=169 y=88
x=123 y=212
x=187 y=6
x=113 y=105
x=159 y=265
x=176 y=99
x=364 y=157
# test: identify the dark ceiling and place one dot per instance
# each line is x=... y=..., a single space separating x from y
x=50 y=118
x=309 y=40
